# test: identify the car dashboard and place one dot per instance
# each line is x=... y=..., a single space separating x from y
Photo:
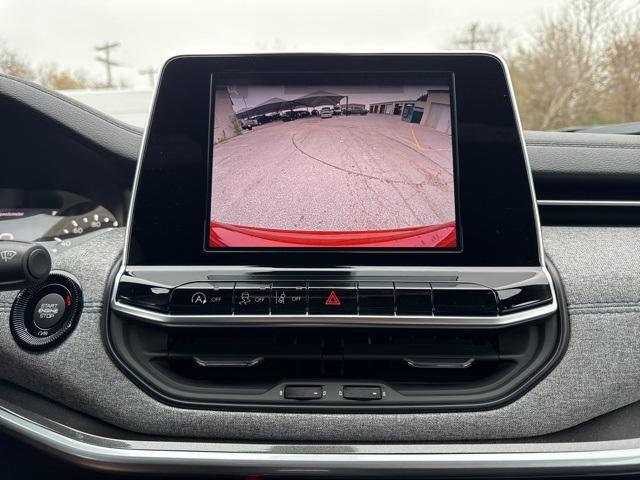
x=139 y=385
x=50 y=216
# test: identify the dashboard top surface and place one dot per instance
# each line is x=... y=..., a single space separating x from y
x=564 y=165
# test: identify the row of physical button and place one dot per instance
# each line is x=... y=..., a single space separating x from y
x=348 y=392
x=338 y=298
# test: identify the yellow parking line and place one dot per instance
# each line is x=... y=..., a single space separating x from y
x=415 y=139
x=421 y=148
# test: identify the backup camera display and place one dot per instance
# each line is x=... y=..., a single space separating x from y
x=332 y=167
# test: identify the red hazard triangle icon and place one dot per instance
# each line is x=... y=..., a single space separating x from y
x=333 y=299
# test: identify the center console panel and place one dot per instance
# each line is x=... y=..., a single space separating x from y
x=352 y=339
x=297 y=306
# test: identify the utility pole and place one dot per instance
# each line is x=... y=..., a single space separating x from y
x=106 y=48
x=151 y=73
x=474 y=40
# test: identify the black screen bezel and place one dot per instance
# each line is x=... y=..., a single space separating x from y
x=295 y=78
x=495 y=204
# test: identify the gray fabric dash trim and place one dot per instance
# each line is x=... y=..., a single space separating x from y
x=599 y=372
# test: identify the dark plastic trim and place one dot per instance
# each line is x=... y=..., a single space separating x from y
x=83 y=121
x=524 y=386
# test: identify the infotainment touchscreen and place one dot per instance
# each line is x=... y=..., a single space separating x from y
x=334 y=160
x=333 y=166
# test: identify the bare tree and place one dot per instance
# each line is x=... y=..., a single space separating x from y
x=51 y=76
x=12 y=64
x=560 y=74
x=623 y=73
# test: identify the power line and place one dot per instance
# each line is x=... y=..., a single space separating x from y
x=474 y=39
x=150 y=72
x=106 y=48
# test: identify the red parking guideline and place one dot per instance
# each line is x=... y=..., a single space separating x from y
x=433 y=236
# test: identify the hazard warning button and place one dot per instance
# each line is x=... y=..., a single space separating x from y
x=333 y=299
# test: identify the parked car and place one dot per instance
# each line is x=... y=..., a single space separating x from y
x=354 y=109
x=248 y=123
x=326 y=112
x=262 y=119
x=300 y=114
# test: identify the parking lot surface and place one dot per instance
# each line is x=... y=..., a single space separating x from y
x=346 y=173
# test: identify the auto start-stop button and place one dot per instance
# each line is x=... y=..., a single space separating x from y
x=43 y=315
x=49 y=310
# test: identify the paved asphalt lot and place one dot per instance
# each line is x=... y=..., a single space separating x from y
x=345 y=173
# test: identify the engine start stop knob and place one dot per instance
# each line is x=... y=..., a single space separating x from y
x=44 y=315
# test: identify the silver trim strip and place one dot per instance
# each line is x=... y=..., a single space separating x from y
x=159 y=318
x=228 y=362
x=136 y=178
x=449 y=273
x=589 y=203
x=165 y=319
x=536 y=214
x=452 y=363
x=322 y=460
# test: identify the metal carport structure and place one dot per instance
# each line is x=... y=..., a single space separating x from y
x=320 y=97
x=276 y=104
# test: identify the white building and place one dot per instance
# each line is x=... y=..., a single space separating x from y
x=390 y=108
x=436 y=106
x=432 y=109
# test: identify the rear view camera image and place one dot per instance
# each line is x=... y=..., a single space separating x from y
x=332 y=167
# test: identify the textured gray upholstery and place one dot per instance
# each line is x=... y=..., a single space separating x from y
x=599 y=373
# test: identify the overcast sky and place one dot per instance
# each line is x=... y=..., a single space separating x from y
x=65 y=31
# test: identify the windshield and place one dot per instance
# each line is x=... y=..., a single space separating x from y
x=574 y=63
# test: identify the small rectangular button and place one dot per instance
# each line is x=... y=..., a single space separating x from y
x=289 y=298
x=144 y=295
x=251 y=298
x=375 y=298
x=339 y=298
x=522 y=297
x=202 y=298
x=463 y=299
x=303 y=392
x=361 y=393
x=413 y=298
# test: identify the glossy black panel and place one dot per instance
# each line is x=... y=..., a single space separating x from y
x=463 y=299
x=495 y=204
x=149 y=296
x=413 y=298
x=376 y=298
